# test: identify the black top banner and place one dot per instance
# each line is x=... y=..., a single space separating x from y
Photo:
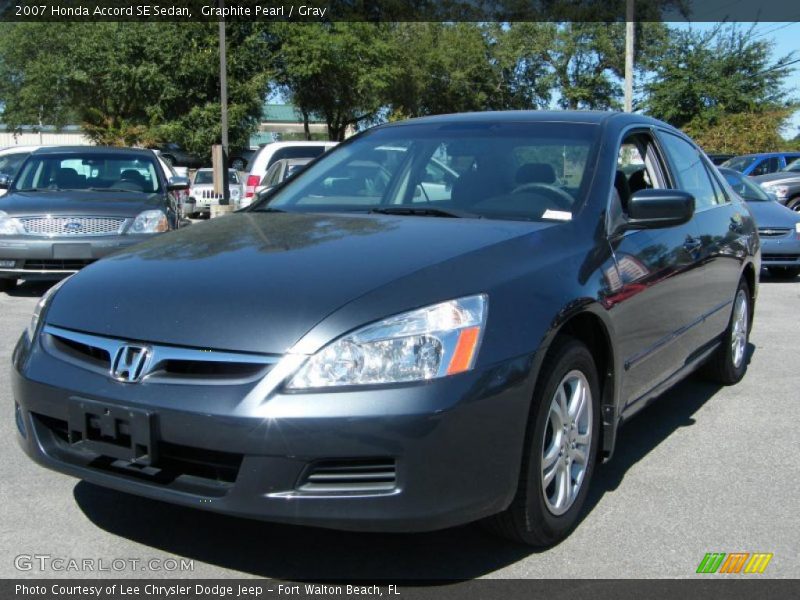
x=395 y=10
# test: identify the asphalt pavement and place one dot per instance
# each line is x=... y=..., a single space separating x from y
x=705 y=469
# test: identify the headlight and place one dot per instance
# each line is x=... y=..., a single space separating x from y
x=150 y=221
x=40 y=307
x=9 y=225
x=426 y=343
x=797 y=228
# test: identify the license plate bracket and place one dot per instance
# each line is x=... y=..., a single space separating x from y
x=116 y=431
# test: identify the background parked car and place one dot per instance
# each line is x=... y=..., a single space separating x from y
x=240 y=158
x=280 y=171
x=778 y=227
x=69 y=206
x=174 y=154
x=202 y=195
x=762 y=163
x=270 y=153
x=11 y=159
x=785 y=184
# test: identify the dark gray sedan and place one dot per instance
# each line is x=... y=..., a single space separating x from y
x=375 y=358
x=69 y=206
x=785 y=184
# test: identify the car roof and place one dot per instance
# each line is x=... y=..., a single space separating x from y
x=13 y=149
x=142 y=152
x=596 y=117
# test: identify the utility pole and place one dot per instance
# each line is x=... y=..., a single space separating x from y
x=629 y=33
x=223 y=94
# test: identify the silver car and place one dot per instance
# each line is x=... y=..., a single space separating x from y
x=202 y=195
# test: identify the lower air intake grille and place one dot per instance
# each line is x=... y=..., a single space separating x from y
x=48 y=264
x=370 y=475
x=779 y=257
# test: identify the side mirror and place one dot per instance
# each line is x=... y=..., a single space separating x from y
x=5 y=181
x=177 y=183
x=654 y=209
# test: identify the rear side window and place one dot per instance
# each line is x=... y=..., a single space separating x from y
x=690 y=172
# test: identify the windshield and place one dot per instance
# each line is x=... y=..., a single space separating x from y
x=792 y=166
x=521 y=171
x=92 y=171
x=11 y=162
x=743 y=186
x=739 y=163
x=207 y=177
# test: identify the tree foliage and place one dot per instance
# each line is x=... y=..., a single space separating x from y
x=340 y=71
x=132 y=83
x=700 y=78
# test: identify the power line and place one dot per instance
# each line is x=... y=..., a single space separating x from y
x=784 y=26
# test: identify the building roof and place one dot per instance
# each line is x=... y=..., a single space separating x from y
x=286 y=113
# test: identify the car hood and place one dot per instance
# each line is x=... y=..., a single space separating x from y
x=257 y=282
x=78 y=203
x=792 y=176
x=773 y=214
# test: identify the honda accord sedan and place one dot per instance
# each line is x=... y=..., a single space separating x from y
x=376 y=359
x=69 y=206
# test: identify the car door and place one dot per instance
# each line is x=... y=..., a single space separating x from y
x=719 y=226
x=651 y=303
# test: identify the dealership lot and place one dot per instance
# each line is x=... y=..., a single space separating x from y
x=704 y=470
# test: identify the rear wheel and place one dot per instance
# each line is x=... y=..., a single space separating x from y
x=6 y=285
x=238 y=164
x=168 y=159
x=729 y=362
x=784 y=272
x=560 y=450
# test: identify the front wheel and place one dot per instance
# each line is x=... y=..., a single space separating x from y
x=794 y=204
x=729 y=362
x=560 y=450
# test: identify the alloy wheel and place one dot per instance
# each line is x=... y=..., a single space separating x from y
x=739 y=329
x=567 y=442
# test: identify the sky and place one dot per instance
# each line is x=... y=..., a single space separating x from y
x=786 y=36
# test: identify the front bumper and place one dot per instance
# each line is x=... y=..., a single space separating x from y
x=780 y=252
x=454 y=444
x=53 y=258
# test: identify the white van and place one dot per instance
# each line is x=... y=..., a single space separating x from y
x=273 y=152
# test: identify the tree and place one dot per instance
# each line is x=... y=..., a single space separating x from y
x=340 y=71
x=701 y=77
x=132 y=83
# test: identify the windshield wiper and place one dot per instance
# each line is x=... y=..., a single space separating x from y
x=269 y=209
x=111 y=189
x=414 y=211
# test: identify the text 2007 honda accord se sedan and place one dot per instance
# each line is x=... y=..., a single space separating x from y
x=440 y=321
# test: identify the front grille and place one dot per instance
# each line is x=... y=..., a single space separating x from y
x=174 y=460
x=779 y=257
x=72 y=226
x=773 y=231
x=350 y=475
x=168 y=364
x=55 y=264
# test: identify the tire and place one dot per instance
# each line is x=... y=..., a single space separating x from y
x=729 y=362
x=794 y=204
x=784 y=272
x=7 y=285
x=535 y=517
x=238 y=164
